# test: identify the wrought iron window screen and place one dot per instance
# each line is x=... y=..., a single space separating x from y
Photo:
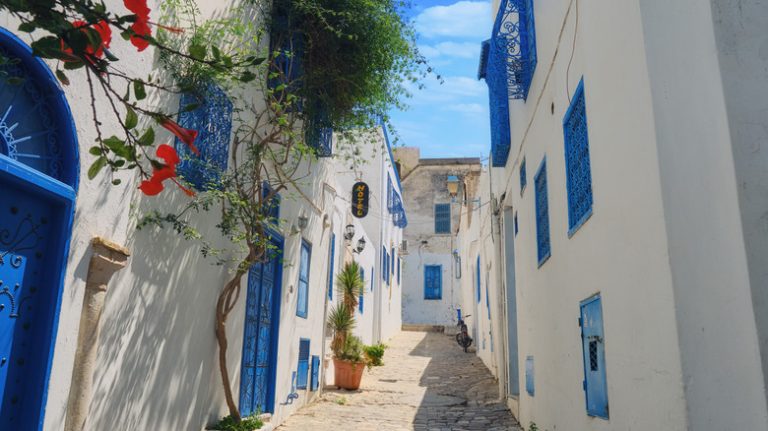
x=318 y=132
x=212 y=118
x=578 y=170
x=509 y=71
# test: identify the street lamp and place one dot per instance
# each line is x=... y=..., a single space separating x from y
x=360 y=245
x=453 y=185
x=349 y=232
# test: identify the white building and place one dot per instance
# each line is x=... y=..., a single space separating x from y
x=431 y=294
x=136 y=350
x=627 y=188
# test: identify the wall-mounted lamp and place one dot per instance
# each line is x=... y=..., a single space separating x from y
x=303 y=222
x=360 y=246
x=453 y=185
x=349 y=232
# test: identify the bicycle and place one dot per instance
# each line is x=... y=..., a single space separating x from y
x=463 y=337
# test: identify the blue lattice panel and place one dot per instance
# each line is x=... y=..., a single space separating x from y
x=543 y=245
x=578 y=171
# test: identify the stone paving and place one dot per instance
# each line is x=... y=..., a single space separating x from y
x=427 y=384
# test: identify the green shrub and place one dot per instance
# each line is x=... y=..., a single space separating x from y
x=353 y=349
x=246 y=424
x=374 y=354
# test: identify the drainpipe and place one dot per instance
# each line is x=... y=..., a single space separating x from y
x=107 y=259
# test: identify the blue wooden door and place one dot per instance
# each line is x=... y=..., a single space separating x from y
x=262 y=317
x=595 y=385
x=38 y=183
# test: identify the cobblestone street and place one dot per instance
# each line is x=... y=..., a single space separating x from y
x=427 y=383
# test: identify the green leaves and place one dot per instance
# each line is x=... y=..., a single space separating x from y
x=148 y=138
x=138 y=90
x=197 y=51
x=62 y=77
x=97 y=166
x=131 y=119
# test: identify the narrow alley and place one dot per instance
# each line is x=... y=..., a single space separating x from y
x=427 y=383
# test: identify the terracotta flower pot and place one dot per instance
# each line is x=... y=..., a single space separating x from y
x=348 y=374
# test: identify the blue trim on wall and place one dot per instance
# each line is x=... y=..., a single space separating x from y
x=302 y=300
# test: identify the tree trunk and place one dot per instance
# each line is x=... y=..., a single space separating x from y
x=226 y=302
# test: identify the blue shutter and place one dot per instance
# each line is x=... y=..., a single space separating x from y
x=398 y=271
x=315 y=381
x=523 y=176
x=303 y=290
x=593 y=346
x=577 y=167
x=302 y=372
x=543 y=244
x=213 y=121
x=443 y=218
x=384 y=264
x=331 y=260
x=433 y=282
x=478 y=279
x=361 y=299
x=487 y=300
x=529 y=384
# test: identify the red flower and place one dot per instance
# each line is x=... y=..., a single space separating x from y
x=105 y=34
x=154 y=185
x=187 y=136
x=140 y=27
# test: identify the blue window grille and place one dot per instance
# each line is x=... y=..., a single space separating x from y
x=523 y=177
x=593 y=345
x=384 y=263
x=393 y=256
x=361 y=298
x=477 y=280
x=314 y=383
x=287 y=45
x=517 y=228
x=212 y=118
x=398 y=271
x=577 y=168
x=331 y=261
x=511 y=62
x=443 y=218
x=543 y=244
x=319 y=133
x=529 y=383
x=433 y=282
x=302 y=372
x=303 y=291
x=398 y=212
x=390 y=191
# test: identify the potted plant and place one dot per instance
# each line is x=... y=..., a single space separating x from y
x=348 y=361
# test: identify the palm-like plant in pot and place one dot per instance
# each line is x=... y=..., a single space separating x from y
x=348 y=362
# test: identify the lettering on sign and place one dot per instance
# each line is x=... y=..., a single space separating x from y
x=360 y=194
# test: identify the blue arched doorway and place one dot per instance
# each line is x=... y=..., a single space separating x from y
x=38 y=184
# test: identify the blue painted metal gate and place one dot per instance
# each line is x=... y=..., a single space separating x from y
x=262 y=317
x=38 y=183
x=595 y=385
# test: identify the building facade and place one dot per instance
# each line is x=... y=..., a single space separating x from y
x=432 y=272
x=116 y=330
x=625 y=190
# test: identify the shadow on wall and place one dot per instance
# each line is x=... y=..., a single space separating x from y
x=157 y=366
x=460 y=389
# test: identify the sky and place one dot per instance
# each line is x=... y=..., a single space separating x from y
x=449 y=119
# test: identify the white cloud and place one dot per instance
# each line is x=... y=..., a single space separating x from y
x=464 y=19
x=467 y=108
x=466 y=50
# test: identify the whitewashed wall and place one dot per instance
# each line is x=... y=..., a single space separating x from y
x=663 y=240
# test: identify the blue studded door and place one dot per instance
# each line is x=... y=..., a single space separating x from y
x=262 y=317
x=38 y=183
x=593 y=343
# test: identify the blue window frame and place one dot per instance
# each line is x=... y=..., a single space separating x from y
x=517 y=227
x=302 y=371
x=543 y=245
x=593 y=345
x=442 y=218
x=488 y=303
x=331 y=261
x=393 y=257
x=314 y=383
x=523 y=177
x=319 y=133
x=303 y=290
x=477 y=280
x=529 y=382
x=433 y=282
x=361 y=298
x=511 y=62
x=398 y=271
x=212 y=118
x=577 y=167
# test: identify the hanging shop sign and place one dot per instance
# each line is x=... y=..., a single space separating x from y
x=360 y=194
